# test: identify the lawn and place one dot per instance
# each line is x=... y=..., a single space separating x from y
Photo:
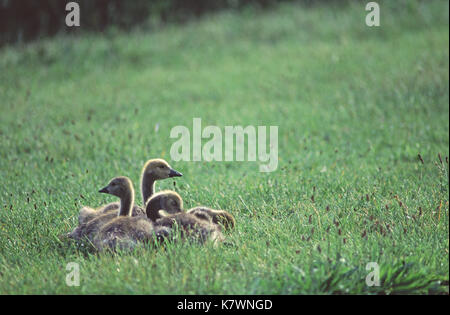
x=354 y=106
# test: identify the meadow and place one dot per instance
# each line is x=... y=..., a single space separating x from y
x=355 y=106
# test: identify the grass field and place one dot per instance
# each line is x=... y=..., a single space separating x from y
x=354 y=105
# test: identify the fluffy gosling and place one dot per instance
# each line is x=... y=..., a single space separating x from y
x=124 y=231
x=191 y=226
x=121 y=187
x=153 y=170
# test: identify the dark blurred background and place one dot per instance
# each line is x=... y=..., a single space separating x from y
x=24 y=20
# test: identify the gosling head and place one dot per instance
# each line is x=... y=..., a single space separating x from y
x=166 y=200
x=159 y=169
x=118 y=186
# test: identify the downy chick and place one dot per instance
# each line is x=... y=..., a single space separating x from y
x=153 y=170
x=190 y=226
x=118 y=186
x=123 y=231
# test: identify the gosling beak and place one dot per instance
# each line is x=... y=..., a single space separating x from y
x=104 y=190
x=174 y=173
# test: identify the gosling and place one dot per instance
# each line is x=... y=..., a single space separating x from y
x=191 y=226
x=153 y=170
x=118 y=186
x=125 y=231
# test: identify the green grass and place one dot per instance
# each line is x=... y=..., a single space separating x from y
x=354 y=105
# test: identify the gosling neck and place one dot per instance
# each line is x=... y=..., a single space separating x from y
x=126 y=203
x=153 y=208
x=147 y=187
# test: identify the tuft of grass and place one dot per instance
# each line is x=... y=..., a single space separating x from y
x=355 y=106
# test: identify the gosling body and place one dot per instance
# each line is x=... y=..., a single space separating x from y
x=219 y=217
x=123 y=231
x=121 y=187
x=174 y=217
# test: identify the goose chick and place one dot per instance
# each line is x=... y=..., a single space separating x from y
x=123 y=231
x=153 y=170
x=191 y=226
x=118 y=186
